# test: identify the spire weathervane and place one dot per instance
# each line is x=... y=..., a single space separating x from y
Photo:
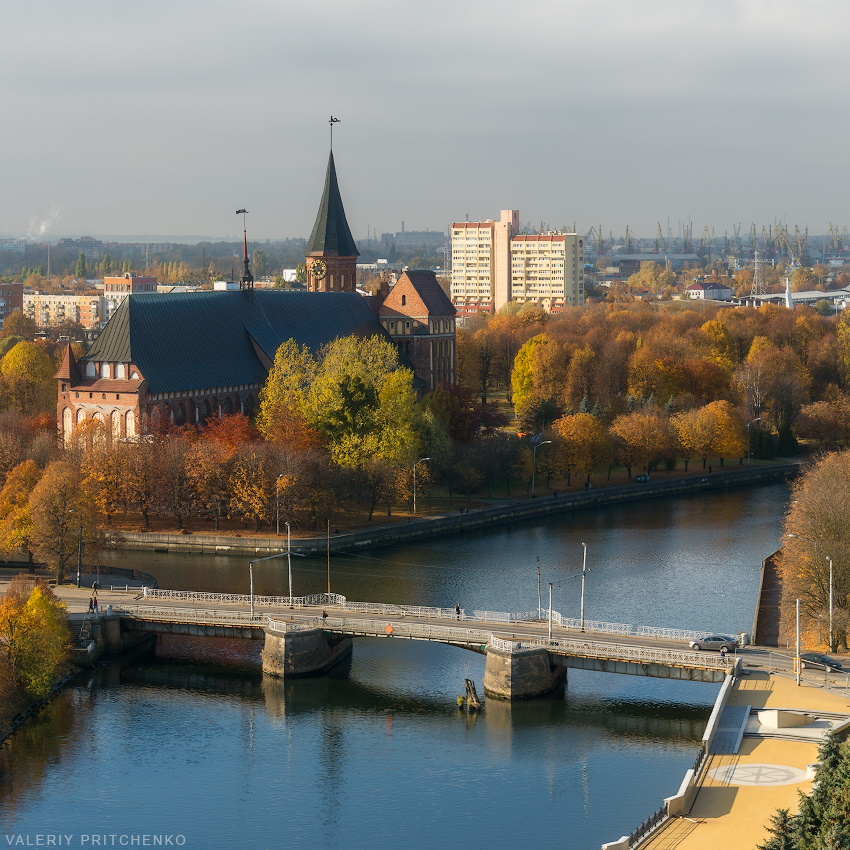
x=247 y=279
x=332 y=122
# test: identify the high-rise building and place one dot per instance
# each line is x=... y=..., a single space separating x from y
x=492 y=264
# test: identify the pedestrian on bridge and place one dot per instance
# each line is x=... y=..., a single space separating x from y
x=457 y=610
x=723 y=652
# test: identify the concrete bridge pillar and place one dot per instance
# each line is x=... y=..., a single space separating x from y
x=302 y=653
x=112 y=633
x=521 y=674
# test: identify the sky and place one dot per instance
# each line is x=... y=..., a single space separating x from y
x=165 y=117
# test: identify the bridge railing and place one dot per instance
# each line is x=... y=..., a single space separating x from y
x=339 y=601
x=415 y=631
x=614 y=652
x=188 y=615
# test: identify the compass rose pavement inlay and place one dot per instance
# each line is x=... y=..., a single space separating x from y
x=758 y=774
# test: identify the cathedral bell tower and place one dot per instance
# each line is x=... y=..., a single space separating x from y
x=331 y=254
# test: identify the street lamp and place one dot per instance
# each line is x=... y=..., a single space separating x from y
x=80 y=549
x=583 y=574
x=289 y=562
x=830 y=602
x=251 y=573
x=534 y=472
x=422 y=460
x=752 y=421
x=550 y=610
x=277 y=503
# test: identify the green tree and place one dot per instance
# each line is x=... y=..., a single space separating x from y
x=106 y=265
x=80 y=271
x=259 y=262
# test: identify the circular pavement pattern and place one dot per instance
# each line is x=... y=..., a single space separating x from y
x=758 y=774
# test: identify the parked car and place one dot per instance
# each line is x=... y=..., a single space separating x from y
x=818 y=661
x=715 y=642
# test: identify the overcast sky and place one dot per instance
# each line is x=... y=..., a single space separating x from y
x=165 y=116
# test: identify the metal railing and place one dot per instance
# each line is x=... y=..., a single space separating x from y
x=188 y=615
x=414 y=631
x=647 y=827
x=339 y=601
x=614 y=652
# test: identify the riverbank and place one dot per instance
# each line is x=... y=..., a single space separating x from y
x=469 y=519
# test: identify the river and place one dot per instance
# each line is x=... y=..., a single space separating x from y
x=378 y=754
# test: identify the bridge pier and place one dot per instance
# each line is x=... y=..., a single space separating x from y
x=302 y=653
x=521 y=673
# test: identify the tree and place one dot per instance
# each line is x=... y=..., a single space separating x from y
x=20 y=324
x=730 y=439
x=58 y=513
x=640 y=438
x=106 y=264
x=80 y=271
x=208 y=465
x=254 y=484
x=33 y=634
x=258 y=258
x=781 y=832
x=816 y=529
x=583 y=444
x=15 y=520
x=26 y=379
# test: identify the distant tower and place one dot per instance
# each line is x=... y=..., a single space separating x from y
x=331 y=253
x=758 y=277
x=789 y=299
x=246 y=280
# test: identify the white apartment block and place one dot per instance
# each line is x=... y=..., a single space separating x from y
x=48 y=310
x=493 y=264
x=16 y=246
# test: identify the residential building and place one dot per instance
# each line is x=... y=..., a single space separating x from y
x=16 y=246
x=493 y=264
x=91 y=249
x=48 y=310
x=117 y=288
x=11 y=299
x=710 y=288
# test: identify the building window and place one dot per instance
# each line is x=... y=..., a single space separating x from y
x=403 y=300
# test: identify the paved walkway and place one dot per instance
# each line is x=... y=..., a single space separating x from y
x=740 y=791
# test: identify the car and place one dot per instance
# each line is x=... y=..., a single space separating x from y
x=819 y=661
x=715 y=642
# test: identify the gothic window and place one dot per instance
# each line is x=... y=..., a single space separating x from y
x=177 y=414
x=81 y=415
x=206 y=411
x=105 y=371
x=130 y=423
x=67 y=425
x=403 y=300
x=119 y=371
x=116 y=425
x=228 y=404
x=91 y=370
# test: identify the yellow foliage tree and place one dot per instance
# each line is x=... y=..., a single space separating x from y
x=640 y=438
x=583 y=443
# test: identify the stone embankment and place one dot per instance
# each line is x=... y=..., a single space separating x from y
x=489 y=517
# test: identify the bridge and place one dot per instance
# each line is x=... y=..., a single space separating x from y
x=526 y=656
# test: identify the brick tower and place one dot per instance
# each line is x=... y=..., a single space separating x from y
x=331 y=254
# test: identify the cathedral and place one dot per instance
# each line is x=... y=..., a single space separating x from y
x=202 y=354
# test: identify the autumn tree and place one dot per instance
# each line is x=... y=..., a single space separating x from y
x=15 y=519
x=34 y=634
x=640 y=438
x=62 y=519
x=26 y=379
x=816 y=530
x=583 y=444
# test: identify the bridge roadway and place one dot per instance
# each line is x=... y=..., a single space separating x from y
x=502 y=637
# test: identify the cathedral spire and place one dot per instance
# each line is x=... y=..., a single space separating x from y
x=247 y=279
x=331 y=235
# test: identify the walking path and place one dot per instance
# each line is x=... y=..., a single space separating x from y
x=740 y=791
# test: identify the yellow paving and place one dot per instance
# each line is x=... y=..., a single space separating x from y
x=733 y=817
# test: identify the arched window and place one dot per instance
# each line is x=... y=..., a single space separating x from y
x=81 y=415
x=104 y=371
x=130 y=424
x=177 y=414
x=206 y=411
x=119 y=371
x=228 y=405
x=134 y=376
x=331 y=278
x=91 y=370
x=403 y=300
x=249 y=406
x=116 y=425
x=67 y=425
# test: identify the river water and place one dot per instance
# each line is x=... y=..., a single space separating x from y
x=377 y=754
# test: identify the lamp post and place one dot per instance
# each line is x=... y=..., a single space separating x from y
x=797 y=659
x=80 y=549
x=289 y=562
x=830 y=602
x=277 y=502
x=751 y=422
x=550 y=610
x=422 y=460
x=583 y=574
x=251 y=573
x=534 y=471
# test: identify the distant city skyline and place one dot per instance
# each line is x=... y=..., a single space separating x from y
x=165 y=118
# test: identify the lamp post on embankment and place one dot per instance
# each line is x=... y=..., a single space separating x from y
x=422 y=460
x=534 y=471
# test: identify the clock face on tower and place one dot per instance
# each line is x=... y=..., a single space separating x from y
x=318 y=270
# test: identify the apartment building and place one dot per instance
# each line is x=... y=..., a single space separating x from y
x=16 y=246
x=11 y=299
x=118 y=287
x=492 y=264
x=48 y=310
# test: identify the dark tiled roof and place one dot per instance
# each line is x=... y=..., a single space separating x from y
x=183 y=341
x=331 y=236
x=68 y=371
x=426 y=284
